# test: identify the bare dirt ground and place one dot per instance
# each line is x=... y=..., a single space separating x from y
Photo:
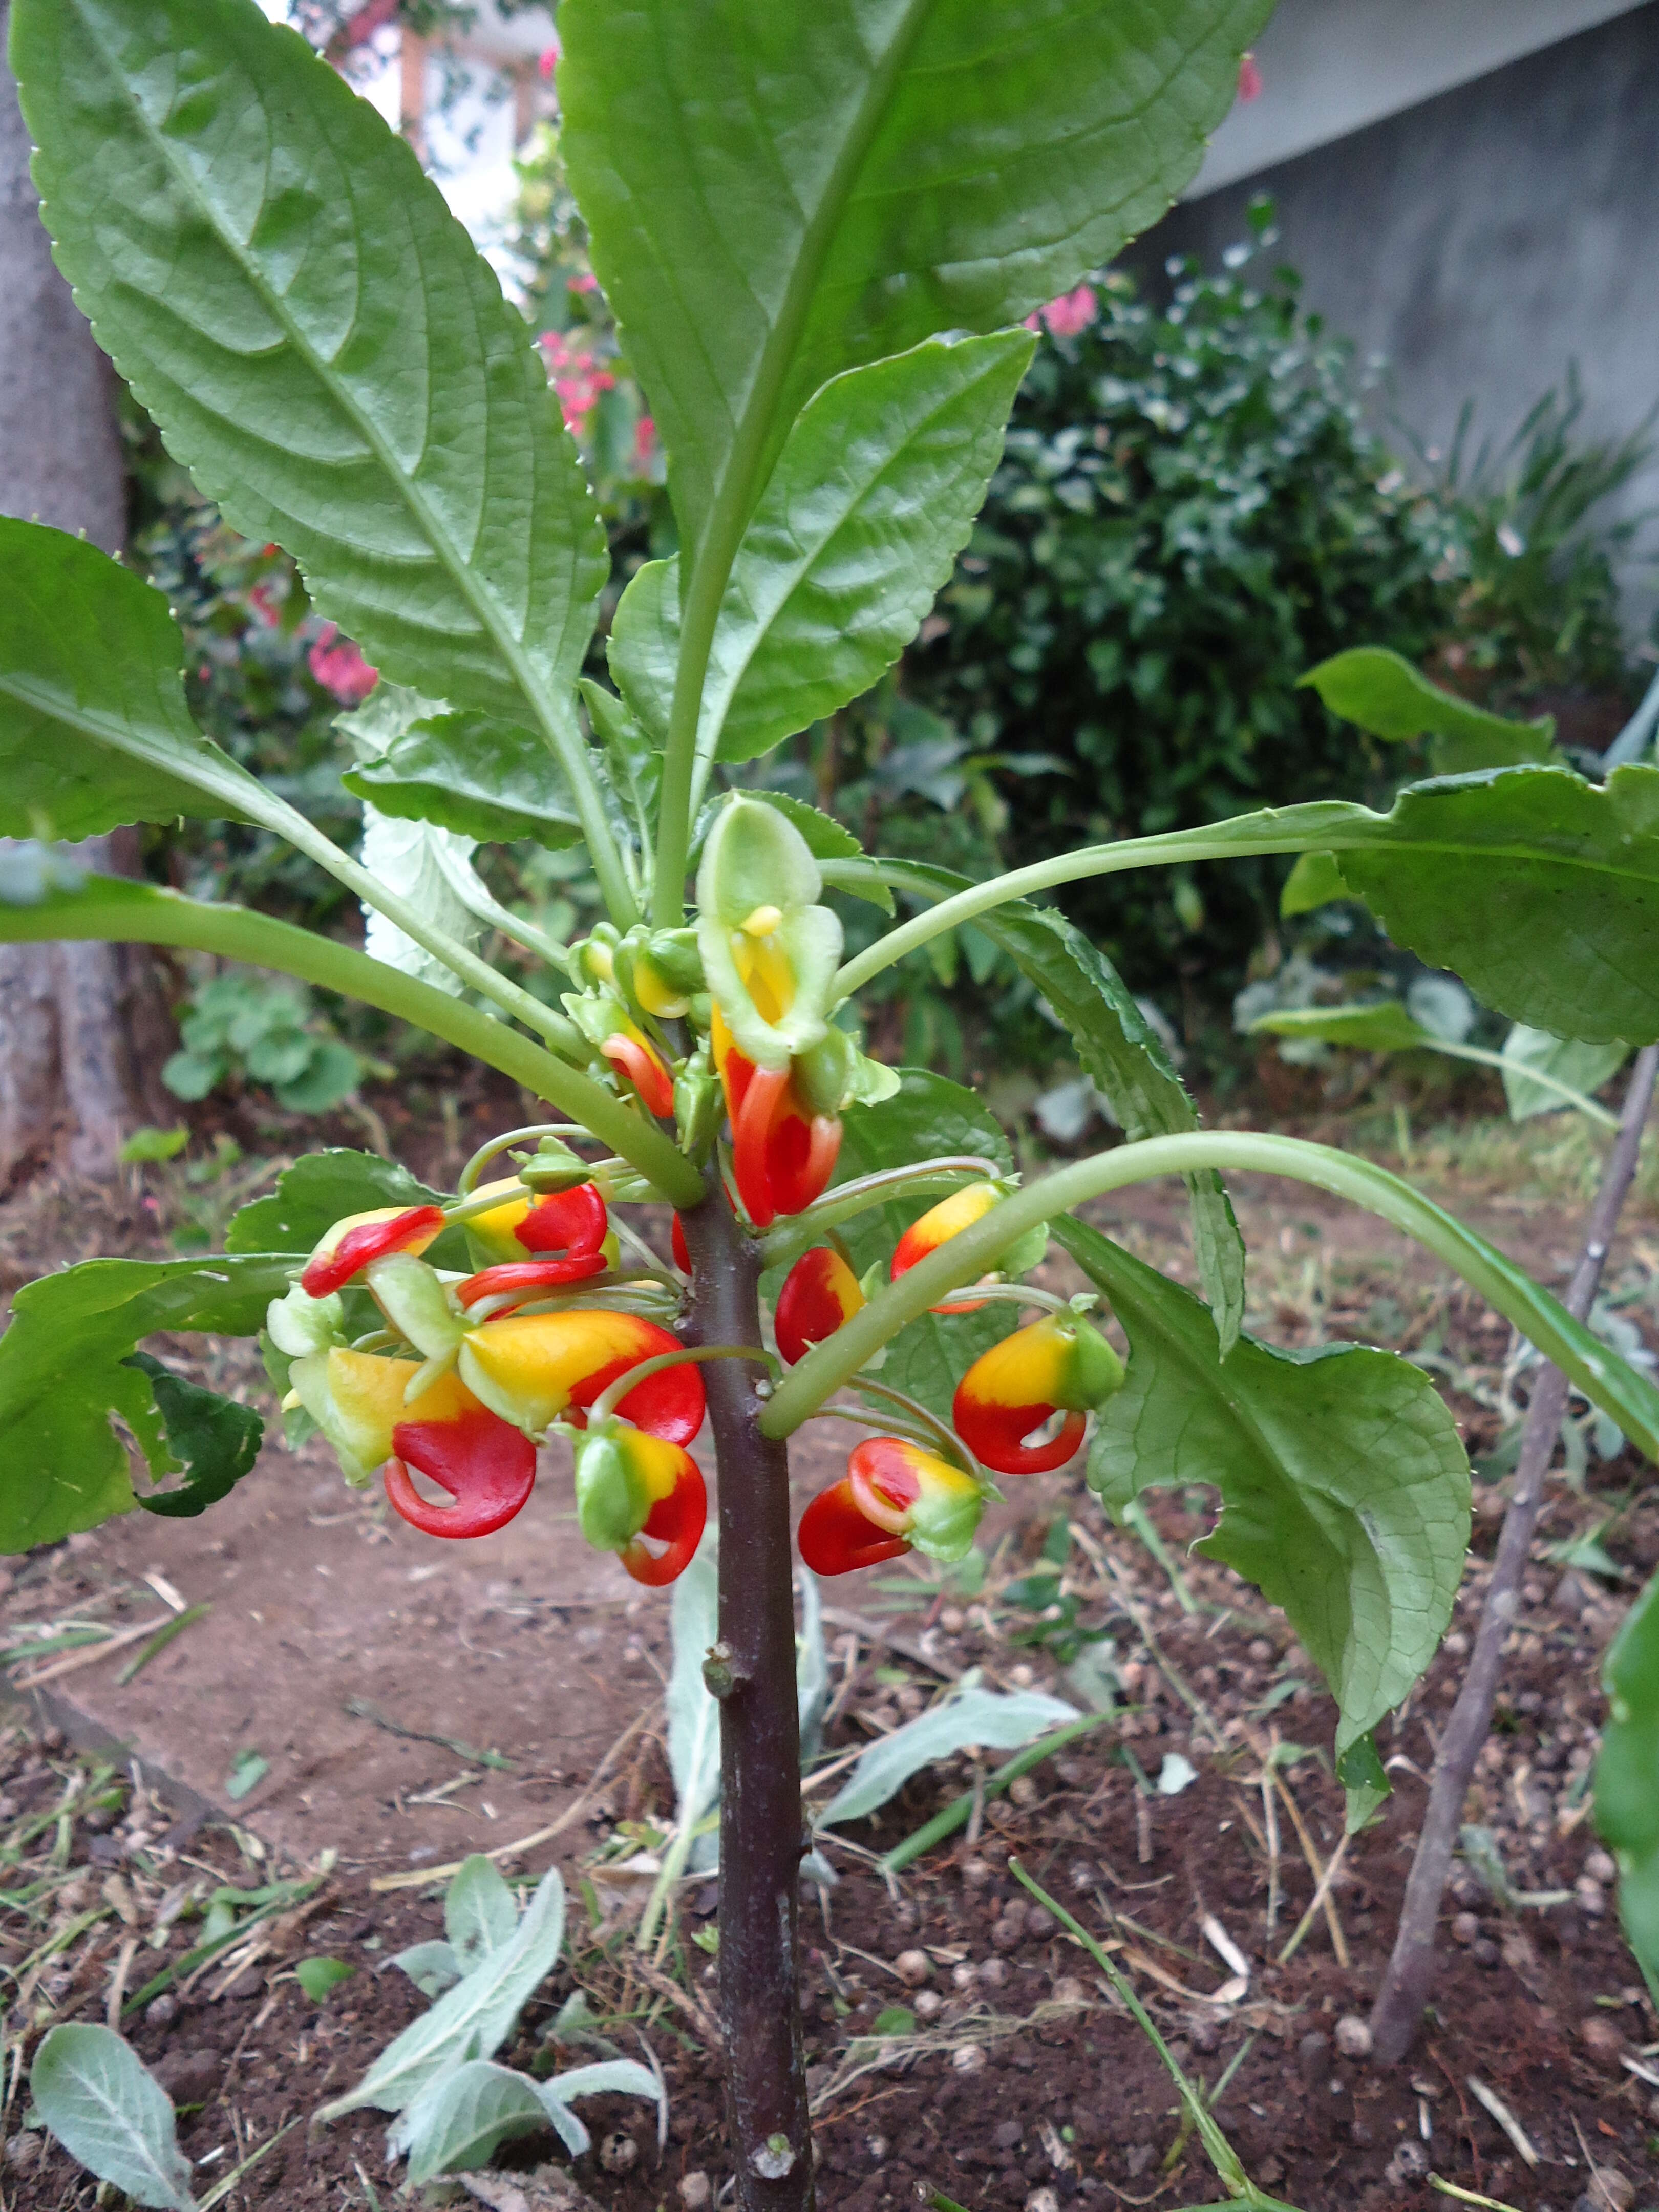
x=414 y=1702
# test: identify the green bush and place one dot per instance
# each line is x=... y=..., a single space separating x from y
x=1190 y=514
x=241 y=1027
x=1535 y=615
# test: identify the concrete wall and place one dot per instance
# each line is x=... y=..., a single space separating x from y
x=1485 y=239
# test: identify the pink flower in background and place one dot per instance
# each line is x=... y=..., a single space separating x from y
x=263 y=605
x=1249 y=78
x=645 y=445
x=1072 y=312
x=576 y=375
x=586 y=281
x=340 y=668
x=548 y=60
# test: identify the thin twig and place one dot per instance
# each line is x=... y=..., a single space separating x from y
x=92 y=1653
x=1319 y=1898
x=1399 y=2008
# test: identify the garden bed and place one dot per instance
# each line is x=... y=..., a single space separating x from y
x=413 y=1705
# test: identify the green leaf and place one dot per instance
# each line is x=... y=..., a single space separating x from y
x=331 y=1074
x=1383 y=1025
x=293 y=303
x=776 y=195
x=473 y=2019
x=108 y=2110
x=1121 y=1054
x=1002 y=1722
x=873 y=497
x=608 y=2077
x=318 y=1976
x=927 y=1118
x=1345 y=1488
x=1389 y=698
x=65 y=1371
x=1539 y=889
x=1315 y=881
x=94 y=727
x=432 y=1967
x=462 y=2118
x=484 y=778
x=145 y=1147
x=315 y=1192
x=479 y=1914
x=1366 y=1779
x=1626 y=1798
x=431 y=870
x=1582 y=1067
x=247 y=1771
x=215 y=1440
x=634 y=763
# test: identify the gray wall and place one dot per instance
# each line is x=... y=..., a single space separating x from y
x=1485 y=239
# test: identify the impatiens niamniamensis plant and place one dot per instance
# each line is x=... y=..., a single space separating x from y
x=822 y=229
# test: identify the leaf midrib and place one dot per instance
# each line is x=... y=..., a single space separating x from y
x=475 y=595
x=215 y=773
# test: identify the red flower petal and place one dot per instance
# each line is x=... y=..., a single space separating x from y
x=573 y=1221
x=529 y=1276
x=836 y=1539
x=487 y=1465
x=675 y=1521
x=371 y=1240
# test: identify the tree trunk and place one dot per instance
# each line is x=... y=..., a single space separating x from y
x=77 y=1021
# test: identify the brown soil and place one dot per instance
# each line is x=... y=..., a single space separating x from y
x=1029 y=2076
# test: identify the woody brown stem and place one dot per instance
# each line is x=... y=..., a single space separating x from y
x=1398 y=2012
x=761 y=1836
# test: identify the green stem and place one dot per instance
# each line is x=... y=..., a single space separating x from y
x=1482 y=1058
x=1291 y=830
x=1229 y=2170
x=117 y=911
x=1013 y=1294
x=510 y=997
x=1605 y=1379
x=481 y=1159
x=847 y=1199
x=612 y=1395
x=946 y=1437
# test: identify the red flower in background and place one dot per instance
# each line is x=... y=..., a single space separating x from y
x=1072 y=312
x=576 y=375
x=340 y=668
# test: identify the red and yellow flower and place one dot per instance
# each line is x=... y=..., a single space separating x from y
x=632 y=1054
x=574 y=1224
x=361 y=1404
x=819 y=1293
x=783 y=1151
x=354 y=1241
x=937 y=1225
x=634 y=1491
x=536 y=1369
x=895 y=1497
x=769 y=952
x=1057 y=1365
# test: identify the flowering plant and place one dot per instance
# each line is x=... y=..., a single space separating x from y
x=822 y=284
